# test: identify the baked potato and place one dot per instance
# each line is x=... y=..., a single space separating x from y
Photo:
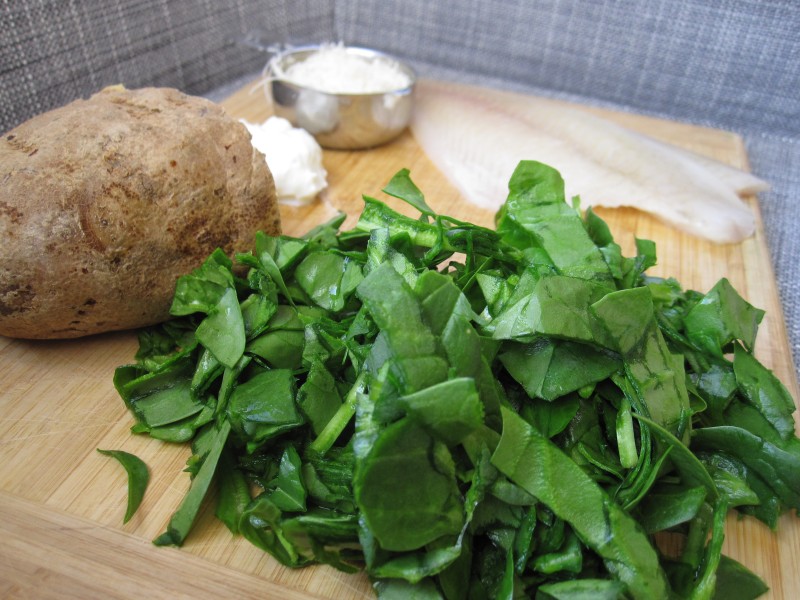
x=105 y=202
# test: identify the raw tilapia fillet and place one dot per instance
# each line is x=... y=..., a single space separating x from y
x=476 y=137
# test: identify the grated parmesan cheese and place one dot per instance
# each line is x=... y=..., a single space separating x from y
x=293 y=156
x=335 y=70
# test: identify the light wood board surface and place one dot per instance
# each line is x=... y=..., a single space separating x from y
x=62 y=503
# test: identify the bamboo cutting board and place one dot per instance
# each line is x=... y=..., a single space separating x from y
x=62 y=503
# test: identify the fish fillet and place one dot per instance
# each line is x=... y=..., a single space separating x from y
x=476 y=138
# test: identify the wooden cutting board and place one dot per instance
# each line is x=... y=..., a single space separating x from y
x=62 y=503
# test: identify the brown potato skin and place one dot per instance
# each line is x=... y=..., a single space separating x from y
x=105 y=202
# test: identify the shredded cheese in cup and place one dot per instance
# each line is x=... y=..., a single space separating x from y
x=334 y=70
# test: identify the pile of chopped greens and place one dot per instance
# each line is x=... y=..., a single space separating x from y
x=471 y=413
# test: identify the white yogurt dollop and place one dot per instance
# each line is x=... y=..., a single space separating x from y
x=293 y=156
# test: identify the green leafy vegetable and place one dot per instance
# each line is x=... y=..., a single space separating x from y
x=469 y=413
x=138 y=478
x=181 y=522
x=539 y=467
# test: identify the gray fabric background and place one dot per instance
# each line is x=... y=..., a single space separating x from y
x=732 y=64
x=53 y=51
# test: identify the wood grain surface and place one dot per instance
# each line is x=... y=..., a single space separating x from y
x=62 y=503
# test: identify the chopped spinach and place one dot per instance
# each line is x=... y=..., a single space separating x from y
x=138 y=478
x=471 y=413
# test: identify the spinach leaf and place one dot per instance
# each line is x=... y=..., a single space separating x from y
x=763 y=391
x=670 y=506
x=551 y=368
x=581 y=589
x=222 y=331
x=318 y=397
x=138 y=478
x=234 y=491
x=201 y=290
x=691 y=470
x=735 y=582
x=778 y=467
x=536 y=206
x=261 y=524
x=181 y=522
x=721 y=317
x=450 y=410
x=287 y=491
x=399 y=589
x=281 y=345
x=328 y=279
x=264 y=407
x=405 y=517
x=656 y=376
x=401 y=186
x=530 y=460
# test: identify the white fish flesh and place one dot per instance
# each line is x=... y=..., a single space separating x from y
x=476 y=138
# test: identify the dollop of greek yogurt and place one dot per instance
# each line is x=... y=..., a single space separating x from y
x=293 y=156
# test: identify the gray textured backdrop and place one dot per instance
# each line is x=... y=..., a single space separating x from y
x=53 y=51
x=732 y=64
